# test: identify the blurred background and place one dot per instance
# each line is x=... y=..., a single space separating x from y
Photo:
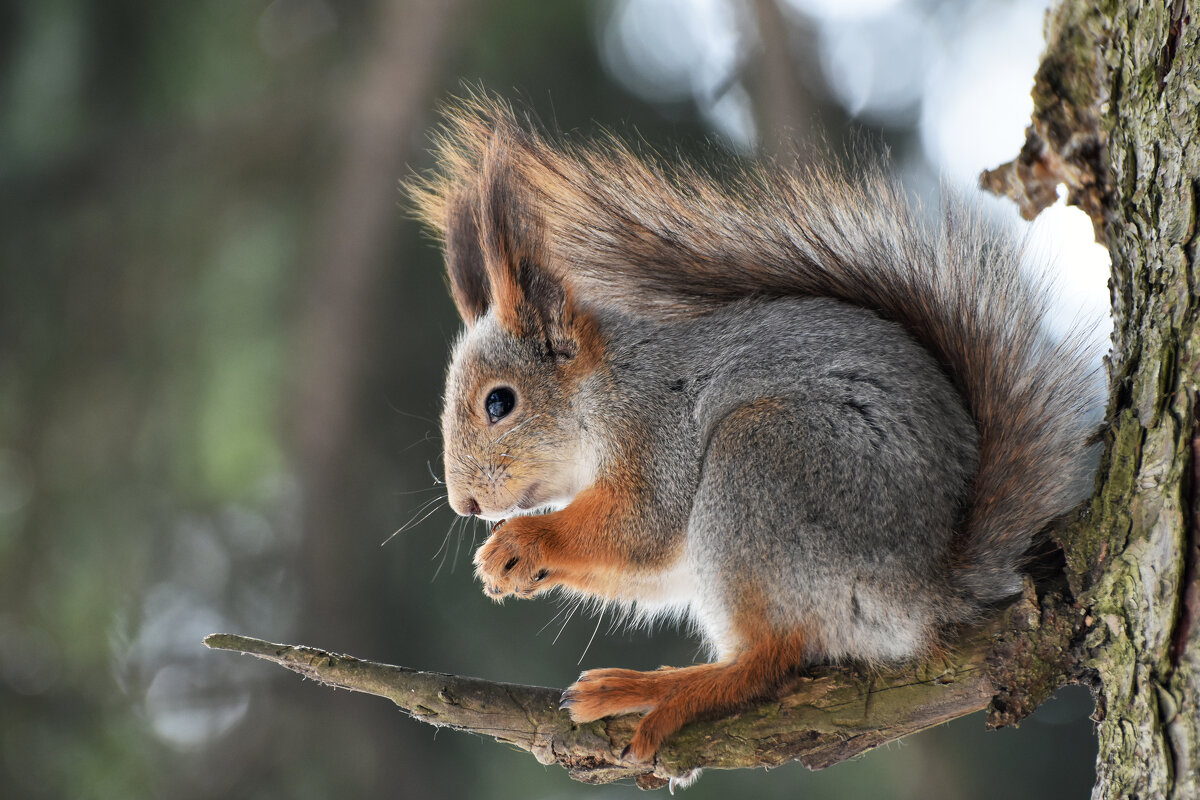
x=222 y=342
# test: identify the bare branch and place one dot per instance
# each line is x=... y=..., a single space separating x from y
x=823 y=718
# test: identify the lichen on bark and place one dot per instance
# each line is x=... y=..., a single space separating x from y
x=1132 y=564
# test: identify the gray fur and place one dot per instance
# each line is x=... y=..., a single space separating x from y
x=837 y=504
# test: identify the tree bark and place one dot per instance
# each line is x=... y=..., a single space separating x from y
x=1137 y=569
x=1117 y=117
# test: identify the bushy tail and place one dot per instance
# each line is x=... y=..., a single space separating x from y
x=663 y=239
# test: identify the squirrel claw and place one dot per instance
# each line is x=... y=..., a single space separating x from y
x=630 y=753
x=511 y=562
x=640 y=750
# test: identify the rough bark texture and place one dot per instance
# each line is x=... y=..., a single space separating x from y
x=1138 y=565
x=1117 y=117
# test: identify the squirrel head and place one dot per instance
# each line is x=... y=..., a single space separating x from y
x=514 y=425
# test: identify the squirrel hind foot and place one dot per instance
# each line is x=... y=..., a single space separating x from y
x=600 y=693
x=673 y=697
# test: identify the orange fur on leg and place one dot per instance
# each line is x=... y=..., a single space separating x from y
x=675 y=697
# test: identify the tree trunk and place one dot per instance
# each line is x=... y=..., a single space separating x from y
x=1117 y=117
x=1146 y=647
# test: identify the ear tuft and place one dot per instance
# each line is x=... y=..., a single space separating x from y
x=525 y=295
x=486 y=202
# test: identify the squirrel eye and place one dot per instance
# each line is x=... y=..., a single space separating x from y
x=499 y=403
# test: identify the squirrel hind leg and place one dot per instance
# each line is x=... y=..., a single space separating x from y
x=673 y=697
x=824 y=515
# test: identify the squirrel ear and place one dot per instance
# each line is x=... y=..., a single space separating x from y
x=464 y=259
x=526 y=297
x=548 y=311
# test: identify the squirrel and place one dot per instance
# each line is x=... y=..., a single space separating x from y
x=776 y=403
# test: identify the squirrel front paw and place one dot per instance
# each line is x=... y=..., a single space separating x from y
x=510 y=562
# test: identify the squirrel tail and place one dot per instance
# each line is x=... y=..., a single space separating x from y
x=664 y=238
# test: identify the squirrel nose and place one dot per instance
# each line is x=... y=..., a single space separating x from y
x=471 y=507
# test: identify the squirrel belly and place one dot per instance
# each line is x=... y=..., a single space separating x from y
x=779 y=403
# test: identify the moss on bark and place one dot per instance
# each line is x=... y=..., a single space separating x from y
x=1132 y=563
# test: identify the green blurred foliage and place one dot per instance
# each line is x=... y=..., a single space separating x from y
x=163 y=168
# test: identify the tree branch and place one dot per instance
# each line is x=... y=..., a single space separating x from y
x=1065 y=142
x=822 y=718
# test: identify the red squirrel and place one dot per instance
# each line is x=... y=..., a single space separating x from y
x=777 y=403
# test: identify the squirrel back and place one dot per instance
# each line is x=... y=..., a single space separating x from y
x=662 y=240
